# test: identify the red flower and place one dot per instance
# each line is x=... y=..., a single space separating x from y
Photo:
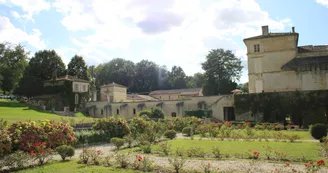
x=36 y=144
x=311 y=163
x=306 y=165
x=50 y=152
x=256 y=153
x=217 y=169
x=98 y=151
x=320 y=162
x=287 y=164
x=209 y=164
x=294 y=170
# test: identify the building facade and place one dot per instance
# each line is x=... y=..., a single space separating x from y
x=276 y=63
x=177 y=93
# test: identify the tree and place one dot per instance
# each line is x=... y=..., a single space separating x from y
x=13 y=61
x=243 y=87
x=221 y=68
x=77 y=67
x=146 y=77
x=177 y=78
x=44 y=65
x=118 y=70
x=163 y=76
x=196 y=81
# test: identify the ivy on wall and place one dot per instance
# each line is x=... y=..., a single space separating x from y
x=304 y=107
x=199 y=113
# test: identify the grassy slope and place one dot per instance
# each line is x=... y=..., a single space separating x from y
x=294 y=150
x=13 y=111
x=72 y=166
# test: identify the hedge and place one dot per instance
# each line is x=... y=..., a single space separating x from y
x=304 y=107
x=199 y=113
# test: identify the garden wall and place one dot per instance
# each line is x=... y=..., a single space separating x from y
x=302 y=107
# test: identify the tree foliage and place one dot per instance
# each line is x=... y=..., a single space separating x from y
x=77 y=67
x=221 y=68
x=177 y=78
x=13 y=61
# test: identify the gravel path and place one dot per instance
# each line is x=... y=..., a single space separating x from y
x=224 y=165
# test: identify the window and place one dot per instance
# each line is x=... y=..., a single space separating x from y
x=169 y=97
x=134 y=111
x=84 y=88
x=256 y=48
x=117 y=111
x=173 y=114
x=102 y=111
x=76 y=87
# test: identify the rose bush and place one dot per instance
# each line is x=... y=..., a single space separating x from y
x=115 y=127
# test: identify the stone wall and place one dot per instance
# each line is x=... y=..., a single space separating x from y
x=130 y=109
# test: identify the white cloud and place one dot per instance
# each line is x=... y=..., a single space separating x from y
x=15 y=14
x=323 y=2
x=8 y=32
x=30 y=7
x=188 y=28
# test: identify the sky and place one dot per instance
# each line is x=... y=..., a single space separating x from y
x=168 y=32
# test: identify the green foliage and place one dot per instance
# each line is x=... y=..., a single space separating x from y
x=177 y=78
x=177 y=164
x=178 y=123
x=122 y=159
x=217 y=152
x=146 y=147
x=138 y=126
x=144 y=112
x=92 y=137
x=199 y=113
x=13 y=61
x=77 y=67
x=156 y=113
x=318 y=131
x=186 y=131
x=171 y=134
x=115 y=127
x=5 y=142
x=15 y=161
x=221 y=68
x=305 y=108
x=118 y=142
x=65 y=151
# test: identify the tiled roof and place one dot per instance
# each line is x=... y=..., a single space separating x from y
x=296 y=62
x=140 y=97
x=272 y=35
x=188 y=91
x=311 y=48
x=113 y=84
x=70 y=78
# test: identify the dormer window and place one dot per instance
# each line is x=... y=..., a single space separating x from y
x=256 y=48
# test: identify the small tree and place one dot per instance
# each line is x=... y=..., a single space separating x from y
x=118 y=142
x=171 y=134
x=65 y=151
x=157 y=113
x=318 y=131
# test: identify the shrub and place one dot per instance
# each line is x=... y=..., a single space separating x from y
x=122 y=159
x=85 y=155
x=40 y=153
x=318 y=131
x=129 y=140
x=15 y=160
x=143 y=163
x=95 y=157
x=186 y=131
x=217 y=152
x=156 y=113
x=171 y=134
x=177 y=164
x=118 y=142
x=145 y=112
x=65 y=151
x=5 y=143
x=165 y=147
x=195 y=152
x=138 y=126
x=145 y=117
x=116 y=127
x=146 y=147
x=179 y=151
x=91 y=137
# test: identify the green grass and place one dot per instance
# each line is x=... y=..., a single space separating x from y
x=13 y=111
x=73 y=166
x=310 y=150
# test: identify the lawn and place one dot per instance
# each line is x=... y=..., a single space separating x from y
x=72 y=166
x=13 y=111
x=310 y=150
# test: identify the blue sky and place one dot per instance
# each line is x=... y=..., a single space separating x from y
x=168 y=32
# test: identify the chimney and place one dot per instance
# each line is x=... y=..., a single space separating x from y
x=265 y=30
x=293 y=29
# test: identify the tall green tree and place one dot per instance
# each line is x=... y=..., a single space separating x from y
x=44 y=65
x=77 y=67
x=196 y=81
x=146 y=77
x=222 y=68
x=177 y=78
x=118 y=70
x=13 y=61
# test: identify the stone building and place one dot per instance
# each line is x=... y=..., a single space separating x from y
x=177 y=93
x=115 y=101
x=276 y=63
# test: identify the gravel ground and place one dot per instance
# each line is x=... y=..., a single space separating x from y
x=224 y=165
